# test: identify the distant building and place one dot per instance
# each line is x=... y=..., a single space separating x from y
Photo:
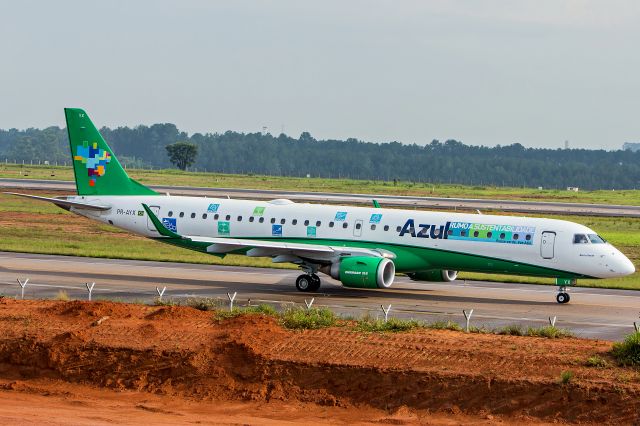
x=573 y=188
x=631 y=146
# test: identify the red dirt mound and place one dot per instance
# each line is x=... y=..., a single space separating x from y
x=183 y=352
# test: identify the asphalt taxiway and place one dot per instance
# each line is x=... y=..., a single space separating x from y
x=593 y=313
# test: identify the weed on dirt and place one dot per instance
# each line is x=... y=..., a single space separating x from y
x=627 y=352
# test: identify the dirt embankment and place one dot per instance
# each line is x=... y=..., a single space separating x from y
x=181 y=352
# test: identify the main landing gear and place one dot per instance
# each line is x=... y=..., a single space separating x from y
x=308 y=282
x=562 y=296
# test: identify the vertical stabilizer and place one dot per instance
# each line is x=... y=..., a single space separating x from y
x=97 y=171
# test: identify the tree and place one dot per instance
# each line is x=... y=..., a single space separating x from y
x=182 y=154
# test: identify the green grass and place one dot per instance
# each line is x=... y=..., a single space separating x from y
x=596 y=361
x=566 y=377
x=302 y=318
x=627 y=352
x=179 y=178
x=263 y=309
x=548 y=331
x=371 y=325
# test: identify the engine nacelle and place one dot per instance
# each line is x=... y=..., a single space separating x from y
x=437 y=275
x=363 y=272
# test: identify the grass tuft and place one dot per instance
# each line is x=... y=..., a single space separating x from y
x=392 y=325
x=549 y=331
x=445 y=325
x=301 y=318
x=566 y=377
x=596 y=361
x=511 y=330
x=203 y=303
x=62 y=295
x=627 y=352
x=263 y=309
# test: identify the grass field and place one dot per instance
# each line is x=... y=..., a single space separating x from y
x=35 y=227
x=176 y=177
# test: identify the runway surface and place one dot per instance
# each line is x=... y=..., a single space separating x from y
x=594 y=313
x=385 y=200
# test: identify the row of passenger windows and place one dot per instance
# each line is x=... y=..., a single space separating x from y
x=502 y=235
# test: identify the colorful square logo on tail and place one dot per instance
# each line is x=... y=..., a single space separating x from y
x=341 y=216
x=311 y=231
x=258 y=211
x=223 y=228
x=375 y=218
x=170 y=223
x=95 y=159
x=276 y=230
x=213 y=208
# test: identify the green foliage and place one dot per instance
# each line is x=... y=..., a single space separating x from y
x=393 y=325
x=596 y=361
x=263 y=309
x=566 y=377
x=548 y=331
x=203 y=303
x=627 y=352
x=182 y=154
x=164 y=302
x=62 y=295
x=445 y=325
x=511 y=330
x=301 y=318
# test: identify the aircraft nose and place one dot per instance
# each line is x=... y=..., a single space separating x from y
x=627 y=267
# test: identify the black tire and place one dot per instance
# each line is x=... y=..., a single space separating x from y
x=562 y=298
x=568 y=297
x=304 y=283
x=315 y=283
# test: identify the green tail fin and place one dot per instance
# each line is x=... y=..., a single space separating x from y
x=96 y=169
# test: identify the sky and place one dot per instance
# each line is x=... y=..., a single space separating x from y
x=484 y=72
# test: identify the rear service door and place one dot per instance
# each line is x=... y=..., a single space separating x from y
x=547 y=243
x=156 y=211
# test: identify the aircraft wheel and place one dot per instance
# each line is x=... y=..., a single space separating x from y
x=315 y=283
x=304 y=282
x=563 y=298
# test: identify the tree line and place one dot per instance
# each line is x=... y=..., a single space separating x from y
x=256 y=153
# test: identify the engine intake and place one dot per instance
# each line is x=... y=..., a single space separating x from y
x=363 y=272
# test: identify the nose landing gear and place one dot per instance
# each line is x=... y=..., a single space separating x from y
x=562 y=296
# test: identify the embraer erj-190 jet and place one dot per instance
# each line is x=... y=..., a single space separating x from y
x=359 y=246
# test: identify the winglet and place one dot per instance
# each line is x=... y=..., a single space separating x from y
x=162 y=230
x=376 y=204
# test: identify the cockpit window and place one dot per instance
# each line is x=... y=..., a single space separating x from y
x=580 y=239
x=596 y=239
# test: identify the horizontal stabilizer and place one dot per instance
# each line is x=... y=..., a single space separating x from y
x=65 y=204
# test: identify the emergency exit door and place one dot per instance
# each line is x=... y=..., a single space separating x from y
x=547 y=244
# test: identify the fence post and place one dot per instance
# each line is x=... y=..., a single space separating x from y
x=22 y=286
x=636 y=327
x=231 y=299
x=90 y=289
x=552 y=321
x=467 y=316
x=309 y=304
x=386 y=312
x=160 y=292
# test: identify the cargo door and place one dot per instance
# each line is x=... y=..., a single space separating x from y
x=547 y=244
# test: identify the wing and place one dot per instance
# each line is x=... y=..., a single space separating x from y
x=279 y=251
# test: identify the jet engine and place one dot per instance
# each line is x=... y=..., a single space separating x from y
x=363 y=272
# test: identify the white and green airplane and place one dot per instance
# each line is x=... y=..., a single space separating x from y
x=359 y=246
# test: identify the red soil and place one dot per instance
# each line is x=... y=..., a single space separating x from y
x=133 y=363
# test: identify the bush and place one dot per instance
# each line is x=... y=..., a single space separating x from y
x=300 y=318
x=393 y=325
x=62 y=295
x=548 y=331
x=203 y=303
x=596 y=361
x=263 y=309
x=511 y=330
x=565 y=377
x=164 y=302
x=445 y=325
x=627 y=352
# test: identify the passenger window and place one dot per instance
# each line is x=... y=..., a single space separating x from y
x=502 y=235
x=450 y=232
x=228 y=217
x=181 y=214
x=386 y=227
x=193 y=215
x=318 y=223
x=527 y=237
x=216 y=216
x=344 y=225
x=273 y=220
x=306 y=223
x=261 y=220
x=204 y=215
x=596 y=239
x=294 y=222
x=489 y=234
x=515 y=237
x=239 y=218
x=170 y=214
x=475 y=234
x=373 y=227
x=463 y=233
x=331 y=224
x=580 y=239
x=398 y=228
x=282 y=221
x=251 y=218
x=358 y=225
